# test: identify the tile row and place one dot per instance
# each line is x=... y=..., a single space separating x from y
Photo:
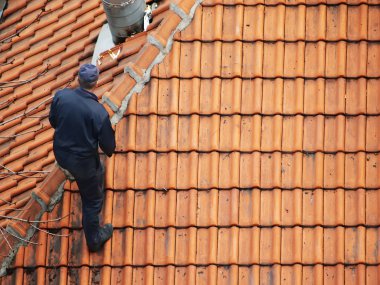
x=59 y=32
x=191 y=246
x=227 y=208
x=20 y=156
x=31 y=98
x=271 y=60
x=257 y=96
x=283 y=22
x=288 y=2
x=244 y=170
x=203 y=275
x=29 y=169
x=247 y=133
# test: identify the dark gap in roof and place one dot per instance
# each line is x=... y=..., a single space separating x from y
x=3 y=6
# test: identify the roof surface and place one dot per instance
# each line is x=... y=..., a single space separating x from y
x=251 y=156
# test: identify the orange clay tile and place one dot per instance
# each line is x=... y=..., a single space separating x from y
x=164 y=246
x=253 y=27
x=294 y=59
x=355 y=201
x=188 y=133
x=295 y=22
x=250 y=170
x=315 y=58
x=250 y=133
x=334 y=170
x=122 y=209
x=273 y=59
x=168 y=91
x=207 y=241
x=249 y=207
x=235 y=13
x=209 y=102
x=230 y=129
x=230 y=102
x=336 y=96
x=147 y=99
x=291 y=170
x=185 y=243
x=186 y=208
x=316 y=22
x=274 y=21
x=189 y=96
x=373 y=22
x=271 y=128
x=270 y=216
x=144 y=208
x=336 y=22
x=116 y=95
x=167 y=133
x=228 y=203
x=207 y=213
x=334 y=138
x=372 y=170
x=355 y=101
x=170 y=66
x=355 y=170
x=252 y=59
x=313 y=136
x=212 y=22
x=191 y=58
x=372 y=136
x=194 y=31
x=373 y=59
x=252 y=93
x=166 y=168
x=209 y=128
x=187 y=173
x=291 y=127
x=168 y=25
x=165 y=208
x=232 y=59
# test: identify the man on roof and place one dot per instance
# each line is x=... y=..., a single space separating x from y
x=82 y=124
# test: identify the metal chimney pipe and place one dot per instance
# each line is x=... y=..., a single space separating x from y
x=125 y=18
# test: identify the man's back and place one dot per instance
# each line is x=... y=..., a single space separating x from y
x=80 y=123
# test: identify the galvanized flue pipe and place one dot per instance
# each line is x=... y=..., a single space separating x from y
x=125 y=18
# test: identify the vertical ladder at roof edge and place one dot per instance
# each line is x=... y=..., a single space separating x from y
x=140 y=82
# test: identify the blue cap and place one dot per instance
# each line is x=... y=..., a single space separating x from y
x=88 y=73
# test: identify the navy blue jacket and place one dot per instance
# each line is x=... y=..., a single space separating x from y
x=80 y=123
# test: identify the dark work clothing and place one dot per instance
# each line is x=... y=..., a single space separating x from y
x=81 y=124
x=89 y=175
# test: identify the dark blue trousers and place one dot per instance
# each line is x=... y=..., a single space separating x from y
x=89 y=175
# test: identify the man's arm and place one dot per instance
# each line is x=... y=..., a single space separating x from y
x=107 y=138
x=53 y=112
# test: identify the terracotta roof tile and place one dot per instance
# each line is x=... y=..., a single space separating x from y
x=251 y=154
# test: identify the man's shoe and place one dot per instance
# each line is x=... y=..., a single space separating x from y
x=105 y=233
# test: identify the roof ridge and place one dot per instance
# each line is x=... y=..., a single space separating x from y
x=159 y=44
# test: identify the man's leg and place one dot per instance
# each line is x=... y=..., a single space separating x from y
x=89 y=175
x=92 y=194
